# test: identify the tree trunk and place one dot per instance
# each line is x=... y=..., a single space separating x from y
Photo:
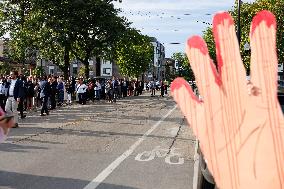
x=87 y=68
x=86 y=63
x=66 y=63
x=98 y=66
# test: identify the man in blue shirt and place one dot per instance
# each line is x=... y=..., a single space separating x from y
x=44 y=94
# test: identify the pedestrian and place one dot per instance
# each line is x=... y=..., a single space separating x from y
x=53 y=92
x=124 y=87
x=162 y=88
x=60 y=91
x=69 y=91
x=23 y=96
x=15 y=91
x=3 y=92
x=166 y=83
x=153 y=87
x=81 y=91
x=90 y=90
x=115 y=84
x=98 y=90
x=44 y=94
x=30 y=92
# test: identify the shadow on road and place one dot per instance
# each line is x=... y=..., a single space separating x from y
x=12 y=180
x=8 y=147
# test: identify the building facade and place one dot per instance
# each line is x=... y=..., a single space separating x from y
x=98 y=68
x=157 y=67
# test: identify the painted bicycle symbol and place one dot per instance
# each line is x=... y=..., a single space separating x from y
x=171 y=157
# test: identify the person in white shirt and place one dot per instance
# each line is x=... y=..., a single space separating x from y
x=15 y=93
x=81 y=91
x=98 y=90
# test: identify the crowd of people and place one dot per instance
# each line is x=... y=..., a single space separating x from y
x=19 y=93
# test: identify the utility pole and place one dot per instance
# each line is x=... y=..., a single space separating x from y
x=239 y=21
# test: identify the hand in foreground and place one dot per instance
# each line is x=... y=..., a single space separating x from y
x=241 y=133
x=5 y=124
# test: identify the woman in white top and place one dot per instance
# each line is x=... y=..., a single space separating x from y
x=81 y=91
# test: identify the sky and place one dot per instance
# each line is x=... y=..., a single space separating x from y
x=172 y=21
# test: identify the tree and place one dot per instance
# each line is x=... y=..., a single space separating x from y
x=133 y=53
x=184 y=68
x=38 y=71
x=62 y=29
x=13 y=15
x=248 y=11
x=98 y=29
x=5 y=68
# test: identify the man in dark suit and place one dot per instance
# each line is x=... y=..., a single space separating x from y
x=14 y=95
x=53 y=92
x=44 y=94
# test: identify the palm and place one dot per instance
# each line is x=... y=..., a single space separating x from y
x=241 y=132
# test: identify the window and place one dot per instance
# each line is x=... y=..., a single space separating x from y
x=91 y=62
x=75 y=70
x=51 y=70
x=106 y=71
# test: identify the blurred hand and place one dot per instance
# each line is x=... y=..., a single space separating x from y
x=6 y=124
x=241 y=133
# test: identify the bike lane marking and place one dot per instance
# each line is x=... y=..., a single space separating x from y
x=161 y=153
x=107 y=171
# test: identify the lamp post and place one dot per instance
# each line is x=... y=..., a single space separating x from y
x=239 y=21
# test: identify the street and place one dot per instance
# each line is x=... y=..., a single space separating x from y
x=139 y=142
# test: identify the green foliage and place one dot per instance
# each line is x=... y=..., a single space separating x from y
x=38 y=71
x=61 y=29
x=209 y=39
x=248 y=11
x=5 y=68
x=82 y=71
x=134 y=52
x=184 y=66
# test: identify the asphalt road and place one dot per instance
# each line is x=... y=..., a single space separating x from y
x=139 y=142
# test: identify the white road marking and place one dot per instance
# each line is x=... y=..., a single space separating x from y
x=161 y=153
x=107 y=171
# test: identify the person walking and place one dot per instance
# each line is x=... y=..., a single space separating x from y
x=153 y=87
x=44 y=94
x=14 y=94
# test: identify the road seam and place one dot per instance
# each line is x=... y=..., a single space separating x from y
x=107 y=171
